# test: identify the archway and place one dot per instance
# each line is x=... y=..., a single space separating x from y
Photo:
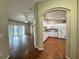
x=68 y=26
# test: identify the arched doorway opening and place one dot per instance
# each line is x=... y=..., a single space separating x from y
x=56 y=23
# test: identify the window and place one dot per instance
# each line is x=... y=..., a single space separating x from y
x=16 y=32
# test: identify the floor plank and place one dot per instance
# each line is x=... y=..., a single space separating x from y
x=54 y=48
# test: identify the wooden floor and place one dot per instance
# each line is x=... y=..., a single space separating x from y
x=24 y=49
x=54 y=48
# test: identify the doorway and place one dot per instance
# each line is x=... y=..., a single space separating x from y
x=56 y=24
x=20 y=36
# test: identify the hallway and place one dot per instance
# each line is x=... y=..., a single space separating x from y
x=53 y=49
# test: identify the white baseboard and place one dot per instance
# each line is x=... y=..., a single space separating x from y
x=40 y=49
x=67 y=57
x=7 y=57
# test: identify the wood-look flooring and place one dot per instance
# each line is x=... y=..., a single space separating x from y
x=54 y=48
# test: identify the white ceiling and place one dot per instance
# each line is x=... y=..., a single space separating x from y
x=19 y=9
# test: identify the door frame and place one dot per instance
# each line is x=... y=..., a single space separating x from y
x=68 y=27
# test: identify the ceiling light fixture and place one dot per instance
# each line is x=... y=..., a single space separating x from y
x=26 y=21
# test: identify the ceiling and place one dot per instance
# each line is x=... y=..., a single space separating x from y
x=21 y=10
